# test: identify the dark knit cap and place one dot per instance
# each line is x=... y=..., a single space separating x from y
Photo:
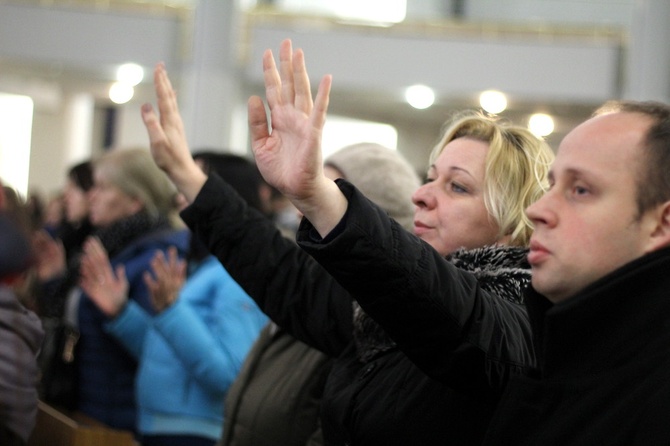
x=15 y=250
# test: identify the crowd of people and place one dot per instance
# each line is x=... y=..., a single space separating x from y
x=517 y=296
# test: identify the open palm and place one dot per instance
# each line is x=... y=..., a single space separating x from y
x=289 y=155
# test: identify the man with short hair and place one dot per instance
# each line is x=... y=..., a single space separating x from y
x=600 y=300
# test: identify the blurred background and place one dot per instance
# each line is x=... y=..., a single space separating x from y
x=74 y=73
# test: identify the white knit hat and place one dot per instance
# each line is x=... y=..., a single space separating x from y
x=382 y=175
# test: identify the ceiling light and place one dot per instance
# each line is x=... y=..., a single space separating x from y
x=493 y=101
x=130 y=73
x=541 y=124
x=120 y=92
x=420 y=96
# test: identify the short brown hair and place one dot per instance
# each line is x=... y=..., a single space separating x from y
x=654 y=179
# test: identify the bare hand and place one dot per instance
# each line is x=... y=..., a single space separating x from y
x=50 y=259
x=109 y=291
x=169 y=147
x=170 y=276
x=289 y=156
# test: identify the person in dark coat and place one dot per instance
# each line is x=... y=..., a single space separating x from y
x=57 y=275
x=600 y=256
x=20 y=334
x=374 y=394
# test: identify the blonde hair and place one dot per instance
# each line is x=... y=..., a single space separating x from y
x=517 y=164
x=135 y=173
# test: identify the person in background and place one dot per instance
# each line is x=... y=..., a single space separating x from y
x=58 y=262
x=130 y=204
x=57 y=273
x=77 y=226
x=196 y=342
x=374 y=394
x=20 y=334
x=52 y=214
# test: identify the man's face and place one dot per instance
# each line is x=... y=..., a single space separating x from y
x=587 y=224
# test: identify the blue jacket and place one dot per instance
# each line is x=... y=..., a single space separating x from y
x=190 y=353
x=106 y=371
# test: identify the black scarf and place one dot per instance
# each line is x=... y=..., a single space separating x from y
x=119 y=234
x=501 y=270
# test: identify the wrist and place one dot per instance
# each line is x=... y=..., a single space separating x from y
x=188 y=179
x=324 y=208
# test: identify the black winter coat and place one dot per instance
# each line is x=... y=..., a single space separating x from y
x=604 y=365
x=602 y=375
x=385 y=400
x=444 y=318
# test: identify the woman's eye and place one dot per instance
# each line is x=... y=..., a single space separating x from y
x=458 y=188
x=428 y=180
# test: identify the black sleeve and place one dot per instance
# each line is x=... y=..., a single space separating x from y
x=286 y=283
x=439 y=316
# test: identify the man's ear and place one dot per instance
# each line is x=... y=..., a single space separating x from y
x=660 y=236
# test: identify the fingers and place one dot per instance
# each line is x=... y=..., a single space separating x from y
x=318 y=116
x=286 y=71
x=159 y=266
x=149 y=116
x=168 y=109
x=165 y=94
x=177 y=265
x=170 y=268
x=154 y=129
x=258 y=121
x=120 y=272
x=303 y=92
x=272 y=80
x=149 y=282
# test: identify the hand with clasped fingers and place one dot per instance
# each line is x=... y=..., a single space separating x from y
x=289 y=154
x=168 y=278
x=106 y=288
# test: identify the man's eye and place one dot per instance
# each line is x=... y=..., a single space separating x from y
x=580 y=190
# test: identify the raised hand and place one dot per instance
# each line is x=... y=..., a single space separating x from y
x=50 y=259
x=170 y=275
x=107 y=289
x=289 y=155
x=169 y=147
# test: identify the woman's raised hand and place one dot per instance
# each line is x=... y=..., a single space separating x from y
x=289 y=154
x=169 y=147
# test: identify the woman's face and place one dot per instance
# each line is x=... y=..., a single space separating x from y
x=76 y=202
x=450 y=213
x=108 y=203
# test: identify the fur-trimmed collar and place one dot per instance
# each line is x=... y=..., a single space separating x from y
x=501 y=270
